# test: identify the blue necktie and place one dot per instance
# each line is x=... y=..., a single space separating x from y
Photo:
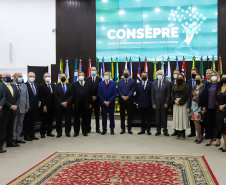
x=64 y=88
x=33 y=89
x=193 y=83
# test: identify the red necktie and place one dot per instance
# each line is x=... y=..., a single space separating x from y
x=107 y=82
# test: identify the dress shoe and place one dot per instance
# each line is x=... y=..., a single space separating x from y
x=43 y=136
x=75 y=134
x=2 y=151
x=209 y=144
x=122 y=132
x=191 y=135
x=28 y=139
x=158 y=133
x=223 y=150
x=85 y=134
x=112 y=132
x=175 y=133
x=98 y=131
x=149 y=133
x=59 y=135
x=103 y=132
x=166 y=134
x=20 y=141
x=35 y=138
x=141 y=132
x=12 y=145
x=130 y=132
x=51 y=135
x=68 y=135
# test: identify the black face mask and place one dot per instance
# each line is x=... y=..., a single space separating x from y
x=193 y=76
x=144 y=78
x=126 y=75
x=180 y=81
x=223 y=80
x=198 y=82
x=63 y=79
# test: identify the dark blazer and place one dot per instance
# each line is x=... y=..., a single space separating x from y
x=87 y=90
x=201 y=94
x=9 y=99
x=189 y=82
x=107 y=94
x=60 y=97
x=126 y=90
x=46 y=98
x=206 y=91
x=143 y=96
x=95 y=85
x=2 y=96
x=181 y=93
x=161 y=96
x=33 y=99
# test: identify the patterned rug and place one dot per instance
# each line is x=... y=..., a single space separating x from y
x=128 y=169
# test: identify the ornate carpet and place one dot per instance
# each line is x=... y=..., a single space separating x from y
x=128 y=169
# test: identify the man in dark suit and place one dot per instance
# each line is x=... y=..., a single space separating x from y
x=46 y=90
x=2 y=130
x=82 y=99
x=11 y=104
x=29 y=119
x=192 y=83
x=126 y=88
x=94 y=80
x=63 y=95
x=160 y=95
x=107 y=92
x=143 y=102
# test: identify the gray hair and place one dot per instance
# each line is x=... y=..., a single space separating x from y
x=46 y=73
x=160 y=71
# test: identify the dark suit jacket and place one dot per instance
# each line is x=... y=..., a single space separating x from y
x=143 y=96
x=2 y=96
x=107 y=94
x=95 y=85
x=161 y=96
x=60 y=97
x=189 y=82
x=128 y=90
x=9 y=99
x=33 y=99
x=46 y=98
x=87 y=90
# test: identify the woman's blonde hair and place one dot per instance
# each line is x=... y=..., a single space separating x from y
x=214 y=72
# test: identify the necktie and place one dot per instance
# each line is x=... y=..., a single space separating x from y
x=81 y=83
x=160 y=85
x=107 y=82
x=64 y=88
x=10 y=89
x=33 y=89
x=18 y=86
x=126 y=82
x=49 y=88
x=144 y=85
x=193 y=83
x=93 y=80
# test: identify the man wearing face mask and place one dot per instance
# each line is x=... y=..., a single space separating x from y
x=9 y=108
x=94 y=80
x=46 y=90
x=107 y=92
x=63 y=94
x=192 y=83
x=82 y=99
x=126 y=88
x=29 y=119
x=2 y=130
x=143 y=103
x=160 y=95
x=23 y=107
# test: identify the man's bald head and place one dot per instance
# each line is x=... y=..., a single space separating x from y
x=6 y=74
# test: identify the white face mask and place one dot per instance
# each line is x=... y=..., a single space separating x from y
x=214 y=78
x=31 y=79
x=160 y=77
x=175 y=76
x=47 y=79
x=81 y=78
x=106 y=77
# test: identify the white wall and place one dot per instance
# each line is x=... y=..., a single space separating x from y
x=27 y=25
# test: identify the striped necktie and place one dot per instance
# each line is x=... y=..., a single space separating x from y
x=33 y=89
x=10 y=89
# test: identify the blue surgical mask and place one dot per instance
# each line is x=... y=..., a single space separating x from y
x=93 y=73
x=159 y=77
x=7 y=79
x=20 y=80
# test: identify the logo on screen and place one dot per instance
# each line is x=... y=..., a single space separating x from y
x=190 y=19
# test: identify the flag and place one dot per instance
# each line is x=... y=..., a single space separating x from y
x=193 y=62
x=162 y=64
x=67 y=72
x=112 y=70
x=177 y=65
x=102 y=69
x=139 y=73
x=89 y=68
x=61 y=69
x=208 y=62
x=201 y=68
x=80 y=65
x=97 y=66
x=130 y=68
x=220 y=72
x=155 y=70
x=76 y=70
x=213 y=67
x=146 y=65
x=168 y=70
x=184 y=68
x=126 y=64
x=116 y=72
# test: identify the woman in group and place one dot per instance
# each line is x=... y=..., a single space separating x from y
x=195 y=106
x=210 y=106
x=221 y=102
x=180 y=95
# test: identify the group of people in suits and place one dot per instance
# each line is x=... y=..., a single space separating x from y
x=190 y=100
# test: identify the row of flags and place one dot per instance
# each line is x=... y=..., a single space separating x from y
x=114 y=72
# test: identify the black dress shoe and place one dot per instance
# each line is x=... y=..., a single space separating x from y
x=175 y=133
x=43 y=136
x=191 y=135
x=68 y=135
x=85 y=134
x=141 y=132
x=20 y=141
x=59 y=135
x=149 y=133
x=122 y=132
x=51 y=135
x=112 y=132
x=35 y=138
x=166 y=134
x=158 y=133
x=103 y=132
x=12 y=145
x=98 y=131
x=75 y=134
x=28 y=139
x=130 y=132
x=223 y=150
x=2 y=151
